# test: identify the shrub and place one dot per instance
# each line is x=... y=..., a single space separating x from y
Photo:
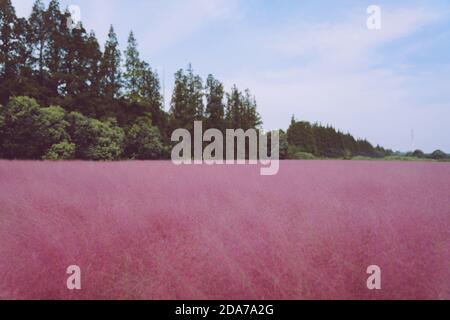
x=95 y=140
x=143 y=140
x=61 y=151
x=23 y=131
x=296 y=154
x=55 y=124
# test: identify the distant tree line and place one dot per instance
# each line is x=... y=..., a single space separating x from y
x=62 y=97
x=306 y=139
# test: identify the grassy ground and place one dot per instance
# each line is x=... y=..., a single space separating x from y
x=152 y=230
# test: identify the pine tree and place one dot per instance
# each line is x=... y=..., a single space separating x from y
x=150 y=87
x=234 y=109
x=92 y=58
x=133 y=70
x=214 y=113
x=73 y=69
x=8 y=50
x=180 y=116
x=15 y=60
x=56 y=42
x=111 y=76
x=301 y=135
x=250 y=118
x=195 y=103
x=187 y=100
x=38 y=38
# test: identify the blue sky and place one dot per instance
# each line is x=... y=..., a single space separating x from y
x=315 y=59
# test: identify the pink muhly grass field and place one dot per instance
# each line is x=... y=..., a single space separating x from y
x=152 y=230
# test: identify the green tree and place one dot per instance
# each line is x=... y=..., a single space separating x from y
x=143 y=141
x=300 y=134
x=195 y=97
x=38 y=38
x=187 y=100
x=15 y=58
x=215 y=108
x=95 y=140
x=73 y=78
x=250 y=118
x=55 y=125
x=92 y=59
x=284 y=145
x=234 y=109
x=133 y=70
x=61 y=151
x=57 y=38
x=110 y=70
x=149 y=87
x=8 y=50
x=439 y=155
x=24 y=135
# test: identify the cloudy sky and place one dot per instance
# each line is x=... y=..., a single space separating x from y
x=315 y=59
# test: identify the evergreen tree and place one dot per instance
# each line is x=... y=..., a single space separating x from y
x=8 y=49
x=73 y=68
x=187 y=100
x=234 y=109
x=149 y=87
x=250 y=118
x=133 y=70
x=110 y=71
x=195 y=102
x=92 y=58
x=180 y=117
x=300 y=135
x=14 y=56
x=55 y=45
x=38 y=38
x=215 y=108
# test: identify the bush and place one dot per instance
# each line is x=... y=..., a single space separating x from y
x=23 y=133
x=61 y=151
x=143 y=141
x=362 y=158
x=402 y=158
x=109 y=139
x=95 y=140
x=55 y=124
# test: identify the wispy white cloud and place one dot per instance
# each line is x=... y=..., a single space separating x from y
x=350 y=41
x=174 y=21
x=350 y=82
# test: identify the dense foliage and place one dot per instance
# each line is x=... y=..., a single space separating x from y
x=61 y=97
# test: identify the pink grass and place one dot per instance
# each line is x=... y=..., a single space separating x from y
x=151 y=230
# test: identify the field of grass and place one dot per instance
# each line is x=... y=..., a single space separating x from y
x=151 y=230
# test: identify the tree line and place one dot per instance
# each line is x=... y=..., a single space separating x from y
x=63 y=97
x=304 y=139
